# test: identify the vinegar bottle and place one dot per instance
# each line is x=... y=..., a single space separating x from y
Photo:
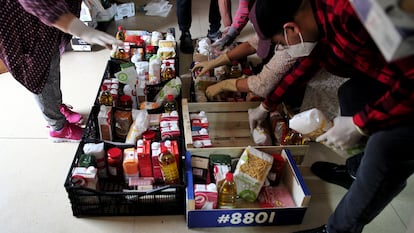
x=169 y=167
x=228 y=193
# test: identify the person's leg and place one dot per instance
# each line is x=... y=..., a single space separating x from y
x=353 y=96
x=184 y=15
x=214 y=19
x=184 y=18
x=382 y=174
x=50 y=101
x=225 y=12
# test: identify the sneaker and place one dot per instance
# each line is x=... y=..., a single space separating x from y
x=186 y=43
x=333 y=173
x=213 y=36
x=69 y=133
x=71 y=116
x=321 y=229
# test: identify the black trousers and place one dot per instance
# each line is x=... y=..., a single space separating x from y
x=185 y=18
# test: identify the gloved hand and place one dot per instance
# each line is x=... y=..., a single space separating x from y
x=256 y=116
x=343 y=135
x=78 y=28
x=225 y=85
x=223 y=42
x=208 y=65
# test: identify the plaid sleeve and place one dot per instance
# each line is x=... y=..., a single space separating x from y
x=301 y=72
x=48 y=11
x=396 y=105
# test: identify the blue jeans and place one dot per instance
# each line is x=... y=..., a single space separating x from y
x=387 y=163
x=184 y=15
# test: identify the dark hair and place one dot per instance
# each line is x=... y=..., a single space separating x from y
x=272 y=14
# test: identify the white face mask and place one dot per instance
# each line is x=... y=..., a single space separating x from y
x=299 y=50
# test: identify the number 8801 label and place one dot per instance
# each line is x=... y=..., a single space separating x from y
x=247 y=218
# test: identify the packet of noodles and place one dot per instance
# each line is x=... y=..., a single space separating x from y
x=251 y=172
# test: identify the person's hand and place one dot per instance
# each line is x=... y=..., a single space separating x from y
x=225 y=85
x=257 y=116
x=78 y=28
x=208 y=65
x=343 y=135
x=223 y=42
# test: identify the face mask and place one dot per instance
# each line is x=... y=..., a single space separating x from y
x=299 y=50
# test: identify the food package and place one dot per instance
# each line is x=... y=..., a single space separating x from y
x=139 y=125
x=172 y=87
x=311 y=123
x=251 y=172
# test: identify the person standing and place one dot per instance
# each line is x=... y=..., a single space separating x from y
x=33 y=35
x=376 y=103
x=184 y=18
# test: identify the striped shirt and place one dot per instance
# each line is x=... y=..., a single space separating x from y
x=346 y=49
x=28 y=40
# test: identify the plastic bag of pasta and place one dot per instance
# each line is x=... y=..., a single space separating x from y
x=251 y=172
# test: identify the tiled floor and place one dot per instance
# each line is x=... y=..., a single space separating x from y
x=33 y=170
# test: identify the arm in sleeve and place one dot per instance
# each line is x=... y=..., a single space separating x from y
x=264 y=82
x=241 y=18
x=395 y=106
x=301 y=72
x=48 y=11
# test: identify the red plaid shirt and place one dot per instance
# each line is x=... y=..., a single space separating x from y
x=346 y=49
x=27 y=39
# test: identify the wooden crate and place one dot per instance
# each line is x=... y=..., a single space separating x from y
x=228 y=128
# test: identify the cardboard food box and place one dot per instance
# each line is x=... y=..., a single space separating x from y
x=250 y=214
x=391 y=25
x=227 y=125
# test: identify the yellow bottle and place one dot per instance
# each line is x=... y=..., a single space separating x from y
x=227 y=193
x=169 y=167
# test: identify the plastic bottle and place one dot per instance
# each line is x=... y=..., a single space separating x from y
x=227 y=193
x=106 y=97
x=169 y=167
x=235 y=70
x=120 y=34
x=171 y=104
x=115 y=162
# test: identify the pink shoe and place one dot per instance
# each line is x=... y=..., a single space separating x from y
x=69 y=133
x=71 y=116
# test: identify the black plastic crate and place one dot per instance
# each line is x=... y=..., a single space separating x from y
x=112 y=199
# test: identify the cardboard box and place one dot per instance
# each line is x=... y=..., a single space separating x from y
x=250 y=214
x=391 y=25
x=80 y=45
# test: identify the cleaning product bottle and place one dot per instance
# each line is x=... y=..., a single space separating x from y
x=227 y=193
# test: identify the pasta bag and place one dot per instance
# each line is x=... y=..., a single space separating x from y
x=251 y=172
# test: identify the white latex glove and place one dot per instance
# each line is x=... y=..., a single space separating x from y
x=92 y=36
x=257 y=116
x=343 y=135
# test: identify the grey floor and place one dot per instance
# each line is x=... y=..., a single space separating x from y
x=33 y=170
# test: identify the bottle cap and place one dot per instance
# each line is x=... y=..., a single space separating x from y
x=125 y=98
x=120 y=28
x=170 y=97
x=229 y=176
x=114 y=152
x=148 y=135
